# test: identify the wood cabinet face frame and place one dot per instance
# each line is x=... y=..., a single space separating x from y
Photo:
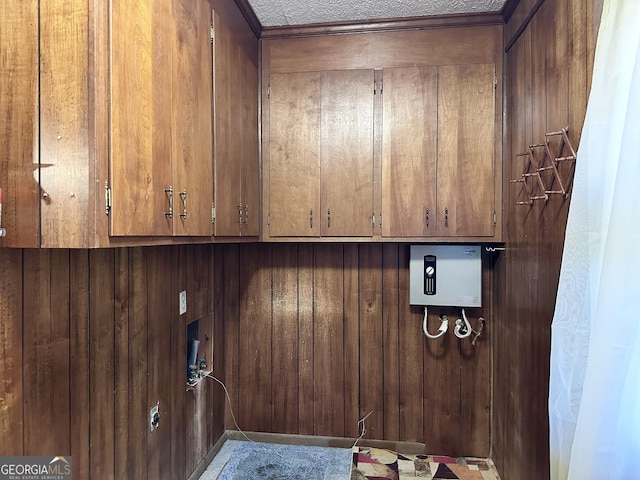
x=443 y=49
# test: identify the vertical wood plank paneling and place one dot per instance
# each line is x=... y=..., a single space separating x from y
x=159 y=363
x=285 y=339
x=197 y=306
x=137 y=350
x=11 y=329
x=548 y=72
x=178 y=367
x=101 y=363
x=360 y=348
x=442 y=407
x=390 y=332
x=196 y=408
x=306 y=294
x=99 y=347
x=255 y=339
x=578 y=72
x=475 y=391
x=207 y=417
x=410 y=363
x=79 y=360
x=198 y=281
x=46 y=353
x=328 y=338
x=121 y=373
x=216 y=302
x=372 y=354
x=228 y=276
x=59 y=350
x=352 y=366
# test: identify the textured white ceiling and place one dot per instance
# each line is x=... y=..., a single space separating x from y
x=273 y=13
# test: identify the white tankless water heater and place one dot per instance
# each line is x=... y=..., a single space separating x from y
x=445 y=275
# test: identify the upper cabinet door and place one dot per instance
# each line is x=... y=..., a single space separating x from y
x=294 y=154
x=250 y=154
x=347 y=153
x=19 y=152
x=236 y=157
x=228 y=138
x=409 y=151
x=192 y=134
x=141 y=64
x=466 y=122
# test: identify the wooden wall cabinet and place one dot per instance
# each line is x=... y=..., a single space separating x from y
x=236 y=156
x=438 y=151
x=107 y=106
x=414 y=156
x=321 y=151
x=161 y=119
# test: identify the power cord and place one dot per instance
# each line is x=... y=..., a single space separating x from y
x=210 y=375
x=363 y=429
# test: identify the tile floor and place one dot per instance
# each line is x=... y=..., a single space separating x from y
x=379 y=464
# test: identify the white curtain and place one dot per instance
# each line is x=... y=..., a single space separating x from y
x=594 y=398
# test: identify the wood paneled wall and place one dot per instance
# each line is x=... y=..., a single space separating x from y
x=548 y=71
x=89 y=341
x=319 y=335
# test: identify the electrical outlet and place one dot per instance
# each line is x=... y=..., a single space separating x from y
x=183 y=302
x=154 y=417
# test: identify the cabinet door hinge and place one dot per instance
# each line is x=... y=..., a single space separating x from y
x=107 y=198
x=213 y=212
x=211 y=33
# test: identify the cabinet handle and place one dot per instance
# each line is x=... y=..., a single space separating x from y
x=169 y=193
x=3 y=232
x=239 y=207
x=246 y=214
x=446 y=218
x=328 y=218
x=311 y=218
x=183 y=196
x=426 y=217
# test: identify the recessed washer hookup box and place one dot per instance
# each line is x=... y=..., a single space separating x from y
x=445 y=275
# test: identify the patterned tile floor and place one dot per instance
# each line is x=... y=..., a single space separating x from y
x=379 y=464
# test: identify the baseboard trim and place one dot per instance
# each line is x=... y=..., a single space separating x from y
x=202 y=466
x=413 y=448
